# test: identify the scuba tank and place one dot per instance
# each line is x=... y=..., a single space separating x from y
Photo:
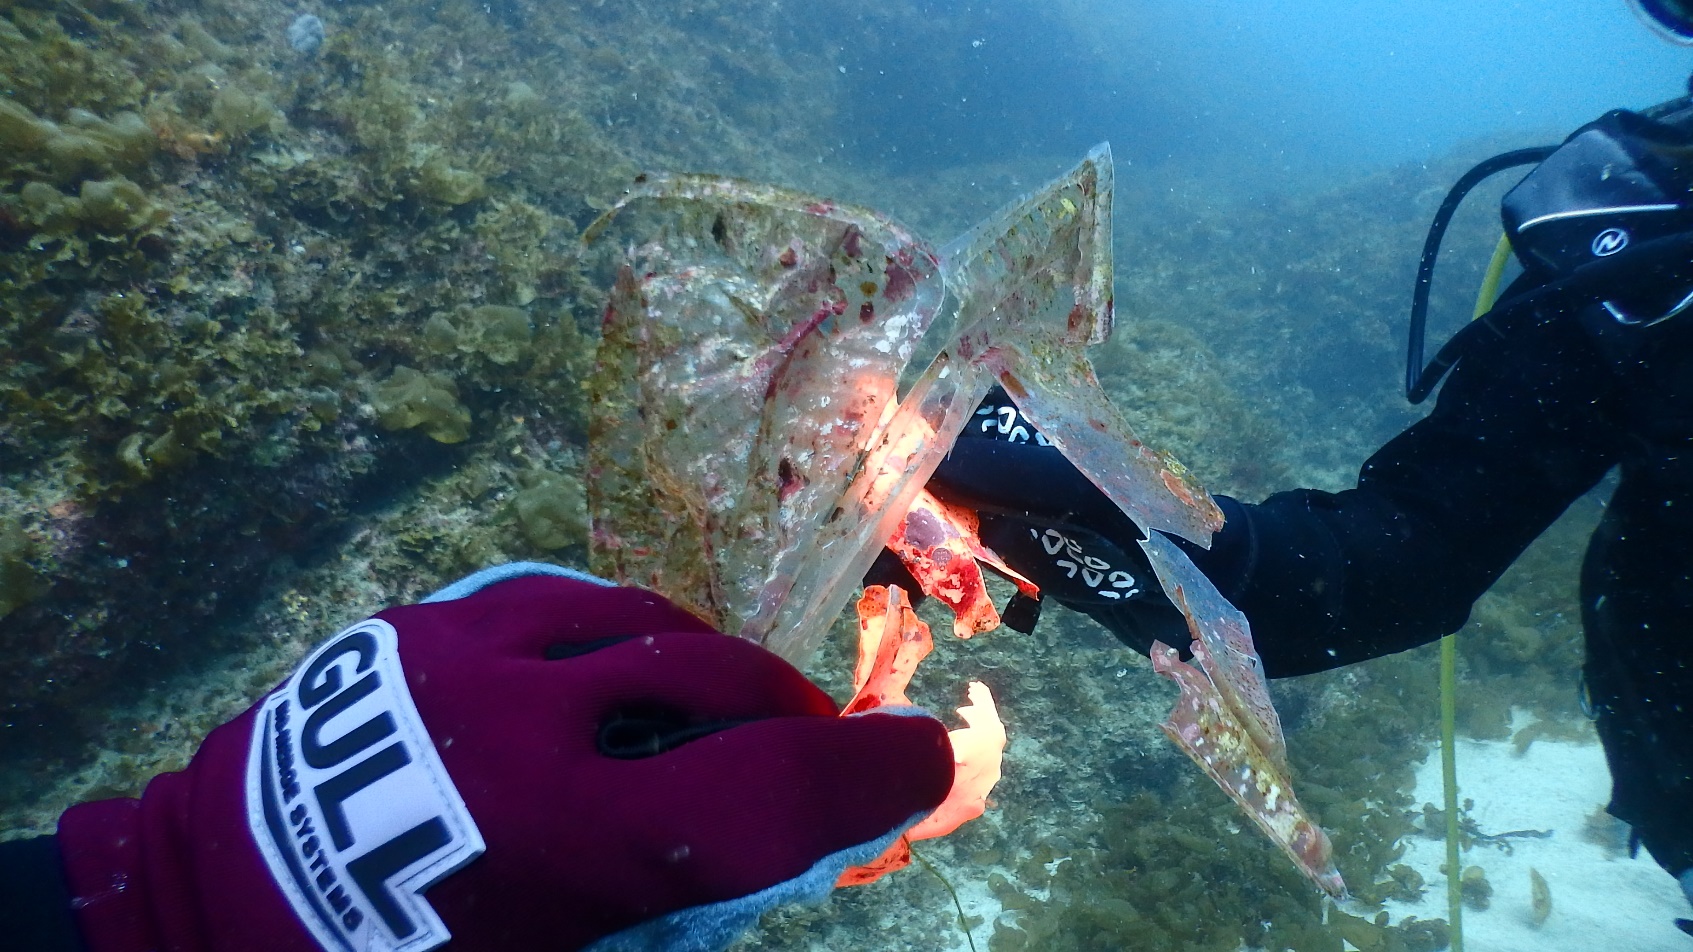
x=1605 y=217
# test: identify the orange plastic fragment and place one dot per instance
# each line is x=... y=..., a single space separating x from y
x=934 y=541
x=941 y=548
x=885 y=666
x=897 y=857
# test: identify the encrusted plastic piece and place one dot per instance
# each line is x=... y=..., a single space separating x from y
x=938 y=544
x=892 y=641
x=1223 y=719
x=744 y=455
x=1033 y=285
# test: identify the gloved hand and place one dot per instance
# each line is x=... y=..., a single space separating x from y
x=530 y=759
x=1039 y=513
x=1053 y=525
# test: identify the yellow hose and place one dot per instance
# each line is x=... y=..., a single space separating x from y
x=1449 y=780
x=1490 y=281
x=1449 y=671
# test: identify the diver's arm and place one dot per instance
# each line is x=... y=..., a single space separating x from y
x=1522 y=428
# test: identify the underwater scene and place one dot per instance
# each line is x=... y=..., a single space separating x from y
x=301 y=316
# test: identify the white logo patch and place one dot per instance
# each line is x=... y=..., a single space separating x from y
x=1097 y=573
x=349 y=801
x=1008 y=423
x=1609 y=242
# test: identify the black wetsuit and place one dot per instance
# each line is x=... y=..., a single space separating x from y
x=1541 y=405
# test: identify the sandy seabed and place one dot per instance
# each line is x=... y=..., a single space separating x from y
x=1601 y=899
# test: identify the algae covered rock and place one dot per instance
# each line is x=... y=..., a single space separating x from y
x=22 y=133
x=143 y=454
x=501 y=334
x=440 y=182
x=410 y=398
x=111 y=207
x=49 y=211
x=118 y=206
x=84 y=145
x=237 y=112
x=523 y=100
x=125 y=139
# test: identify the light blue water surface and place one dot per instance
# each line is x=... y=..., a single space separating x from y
x=1280 y=88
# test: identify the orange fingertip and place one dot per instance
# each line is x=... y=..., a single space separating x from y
x=977 y=753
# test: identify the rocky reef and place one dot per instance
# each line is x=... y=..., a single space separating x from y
x=248 y=290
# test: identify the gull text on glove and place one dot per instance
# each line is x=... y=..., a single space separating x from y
x=349 y=801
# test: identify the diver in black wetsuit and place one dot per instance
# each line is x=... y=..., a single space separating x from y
x=1584 y=365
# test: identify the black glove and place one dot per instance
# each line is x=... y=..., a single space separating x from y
x=1053 y=525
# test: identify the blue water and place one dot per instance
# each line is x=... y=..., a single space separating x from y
x=1272 y=88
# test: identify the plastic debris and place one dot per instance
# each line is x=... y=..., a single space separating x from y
x=748 y=457
x=1224 y=720
x=892 y=642
x=938 y=544
x=753 y=449
x=1033 y=286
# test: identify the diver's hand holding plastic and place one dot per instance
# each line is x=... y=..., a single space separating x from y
x=1052 y=525
x=527 y=760
x=1041 y=515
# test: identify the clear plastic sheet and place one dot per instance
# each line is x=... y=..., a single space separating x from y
x=751 y=451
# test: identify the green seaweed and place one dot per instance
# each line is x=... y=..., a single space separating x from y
x=118 y=207
x=430 y=401
x=500 y=333
x=964 y=924
x=440 y=182
x=551 y=510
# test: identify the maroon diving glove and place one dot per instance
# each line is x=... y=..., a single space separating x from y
x=531 y=759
